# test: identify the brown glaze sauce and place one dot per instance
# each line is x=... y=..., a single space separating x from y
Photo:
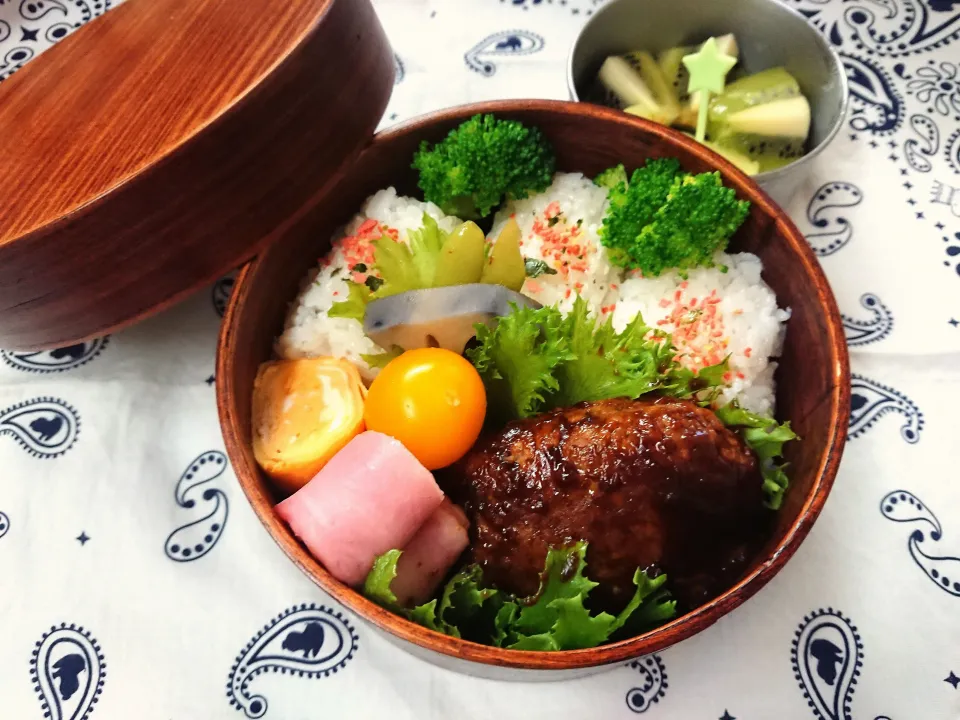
x=655 y=483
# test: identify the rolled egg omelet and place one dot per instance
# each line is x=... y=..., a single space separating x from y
x=304 y=412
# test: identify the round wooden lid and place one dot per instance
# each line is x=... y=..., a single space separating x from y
x=165 y=143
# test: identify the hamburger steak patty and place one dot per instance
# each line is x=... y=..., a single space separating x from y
x=656 y=483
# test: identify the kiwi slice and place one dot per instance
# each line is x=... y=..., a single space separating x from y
x=763 y=116
x=632 y=92
x=663 y=92
x=673 y=69
x=757 y=89
x=768 y=152
x=747 y=165
x=789 y=117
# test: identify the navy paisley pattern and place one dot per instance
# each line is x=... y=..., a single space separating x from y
x=220 y=293
x=55 y=361
x=192 y=540
x=900 y=57
x=902 y=506
x=876 y=105
x=827 y=658
x=575 y=7
x=40 y=24
x=399 y=71
x=918 y=150
x=886 y=27
x=45 y=427
x=863 y=332
x=509 y=43
x=310 y=641
x=827 y=654
x=68 y=671
x=828 y=212
x=652 y=683
x=869 y=401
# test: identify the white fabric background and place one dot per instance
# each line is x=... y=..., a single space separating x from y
x=170 y=632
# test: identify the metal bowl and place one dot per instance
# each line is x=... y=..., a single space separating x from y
x=768 y=33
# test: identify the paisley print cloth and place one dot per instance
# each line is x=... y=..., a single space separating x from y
x=136 y=583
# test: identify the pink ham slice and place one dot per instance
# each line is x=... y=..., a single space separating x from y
x=371 y=497
x=430 y=554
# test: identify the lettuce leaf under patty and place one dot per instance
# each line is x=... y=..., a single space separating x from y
x=556 y=618
x=766 y=437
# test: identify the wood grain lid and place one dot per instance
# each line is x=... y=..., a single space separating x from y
x=164 y=143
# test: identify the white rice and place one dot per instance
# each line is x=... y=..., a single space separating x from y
x=746 y=324
x=740 y=317
x=559 y=226
x=309 y=331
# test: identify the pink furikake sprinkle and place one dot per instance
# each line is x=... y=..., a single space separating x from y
x=562 y=245
x=697 y=328
x=358 y=248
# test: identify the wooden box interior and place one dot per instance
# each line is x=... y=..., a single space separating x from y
x=812 y=378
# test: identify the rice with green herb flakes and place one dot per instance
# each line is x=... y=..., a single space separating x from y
x=559 y=228
x=309 y=330
x=712 y=314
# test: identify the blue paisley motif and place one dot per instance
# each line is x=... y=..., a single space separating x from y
x=68 y=672
x=54 y=361
x=917 y=151
x=14 y=59
x=864 y=332
x=653 y=683
x=951 y=151
x=220 y=294
x=4 y=524
x=36 y=9
x=827 y=654
x=824 y=213
x=870 y=400
x=306 y=640
x=399 y=72
x=953 y=250
x=937 y=84
x=45 y=427
x=577 y=7
x=196 y=538
x=875 y=106
x=501 y=44
x=905 y=507
x=886 y=27
x=43 y=23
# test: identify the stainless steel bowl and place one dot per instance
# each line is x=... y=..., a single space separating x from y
x=768 y=34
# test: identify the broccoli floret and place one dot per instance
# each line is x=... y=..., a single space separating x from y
x=697 y=220
x=469 y=172
x=611 y=177
x=665 y=219
x=633 y=206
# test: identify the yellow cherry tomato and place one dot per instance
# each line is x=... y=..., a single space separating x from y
x=432 y=400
